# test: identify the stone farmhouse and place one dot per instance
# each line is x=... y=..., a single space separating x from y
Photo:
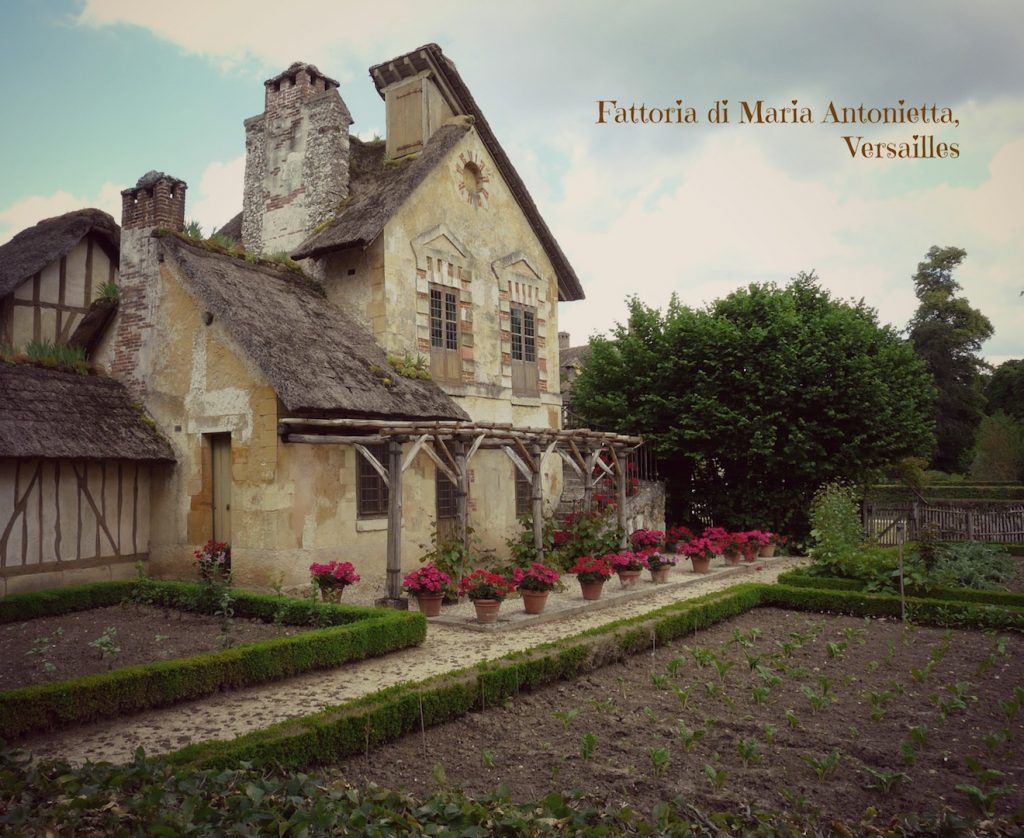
x=405 y=379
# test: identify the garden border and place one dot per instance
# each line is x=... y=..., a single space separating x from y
x=797 y=579
x=351 y=633
x=359 y=725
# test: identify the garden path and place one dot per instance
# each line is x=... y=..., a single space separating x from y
x=447 y=647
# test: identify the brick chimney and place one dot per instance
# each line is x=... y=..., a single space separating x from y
x=296 y=160
x=156 y=202
x=563 y=340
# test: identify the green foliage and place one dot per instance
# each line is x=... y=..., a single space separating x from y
x=947 y=334
x=521 y=546
x=449 y=554
x=752 y=402
x=410 y=366
x=352 y=633
x=1005 y=389
x=836 y=530
x=49 y=354
x=194 y=230
x=998 y=449
x=109 y=291
x=592 y=533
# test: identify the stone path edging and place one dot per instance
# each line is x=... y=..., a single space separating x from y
x=446 y=648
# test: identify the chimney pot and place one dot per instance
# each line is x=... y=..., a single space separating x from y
x=563 y=340
x=157 y=200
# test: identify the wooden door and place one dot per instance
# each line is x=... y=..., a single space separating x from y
x=220 y=445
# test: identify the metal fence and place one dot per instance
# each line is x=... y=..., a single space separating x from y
x=950 y=522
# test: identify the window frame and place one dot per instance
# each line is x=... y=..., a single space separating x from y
x=369 y=482
x=523 y=342
x=523 y=494
x=443 y=319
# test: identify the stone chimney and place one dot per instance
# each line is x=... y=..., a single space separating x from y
x=296 y=160
x=156 y=202
x=563 y=340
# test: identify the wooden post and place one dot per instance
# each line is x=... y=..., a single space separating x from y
x=537 y=502
x=588 y=481
x=394 y=565
x=620 y=487
x=462 y=495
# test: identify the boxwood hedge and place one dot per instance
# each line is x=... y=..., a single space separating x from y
x=338 y=634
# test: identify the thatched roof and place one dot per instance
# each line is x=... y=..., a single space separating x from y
x=36 y=247
x=53 y=414
x=315 y=356
x=430 y=57
x=376 y=191
x=233 y=228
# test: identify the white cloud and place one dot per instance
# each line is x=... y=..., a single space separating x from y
x=27 y=211
x=219 y=196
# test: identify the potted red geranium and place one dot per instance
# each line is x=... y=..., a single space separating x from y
x=647 y=539
x=486 y=590
x=535 y=583
x=332 y=578
x=676 y=537
x=628 y=565
x=700 y=551
x=591 y=573
x=733 y=545
x=428 y=585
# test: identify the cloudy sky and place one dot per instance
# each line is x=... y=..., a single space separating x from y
x=101 y=91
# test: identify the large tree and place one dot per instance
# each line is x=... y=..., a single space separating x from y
x=755 y=401
x=1005 y=389
x=947 y=334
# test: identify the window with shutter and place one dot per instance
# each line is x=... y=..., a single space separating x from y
x=523 y=328
x=445 y=361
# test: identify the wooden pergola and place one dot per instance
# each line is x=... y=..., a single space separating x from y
x=451 y=444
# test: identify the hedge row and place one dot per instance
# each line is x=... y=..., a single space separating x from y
x=352 y=633
x=948 y=493
x=796 y=579
x=358 y=726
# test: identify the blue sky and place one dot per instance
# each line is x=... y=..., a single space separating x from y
x=101 y=91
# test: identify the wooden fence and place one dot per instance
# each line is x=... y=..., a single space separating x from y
x=881 y=523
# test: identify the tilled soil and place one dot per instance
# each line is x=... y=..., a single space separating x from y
x=918 y=702
x=57 y=648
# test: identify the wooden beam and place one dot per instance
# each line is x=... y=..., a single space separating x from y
x=527 y=458
x=441 y=464
x=537 y=504
x=330 y=439
x=373 y=461
x=475 y=447
x=440 y=444
x=462 y=495
x=414 y=451
x=565 y=455
x=517 y=461
x=620 y=486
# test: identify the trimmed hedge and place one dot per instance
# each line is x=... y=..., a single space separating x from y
x=796 y=579
x=351 y=633
x=948 y=493
x=360 y=725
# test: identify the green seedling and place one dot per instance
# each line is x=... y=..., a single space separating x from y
x=682 y=694
x=799 y=638
x=985 y=776
x=566 y=717
x=836 y=650
x=884 y=781
x=659 y=681
x=650 y=714
x=818 y=702
x=765 y=674
x=792 y=720
x=1001 y=645
x=752 y=660
x=160 y=638
x=908 y=752
x=108 y=649
x=672 y=667
x=703 y=656
x=749 y=751
x=799 y=802
x=760 y=694
x=659 y=760
x=890 y=654
x=984 y=802
x=878 y=700
x=723 y=668
x=994 y=741
x=854 y=634
x=985 y=664
x=715 y=773
x=787 y=648
x=488 y=759
x=1010 y=708
x=769 y=734
x=825 y=765
x=921 y=675
x=799 y=672
x=603 y=705
x=688 y=738
x=587 y=745
x=872 y=666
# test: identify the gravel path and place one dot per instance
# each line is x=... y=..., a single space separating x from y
x=447 y=647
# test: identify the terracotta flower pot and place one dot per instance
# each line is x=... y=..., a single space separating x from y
x=701 y=564
x=331 y=593
x=628 y=578
x=430 y=604
x=766 y=551
x=592 y=590
x=487 y=610
x=660 y=576
x=734 y=557
x=534 y=601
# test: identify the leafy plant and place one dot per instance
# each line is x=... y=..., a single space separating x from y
x=792 y=720
x=688 y=738
x=672 y=667
x=682 y=694
x=659 y=760
x=566 y=717
x=108 y=649
x=884 y=781
x=984 y=801
x=109 y=290
x=769 y=733
x=715 y=773
x=749 y=749
x=823 y=766
x=587 y=745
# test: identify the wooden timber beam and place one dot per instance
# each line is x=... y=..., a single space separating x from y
x=373 y=461
x=537 y=503
x=330 y=439
x=524 y=469
x=394 y=556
